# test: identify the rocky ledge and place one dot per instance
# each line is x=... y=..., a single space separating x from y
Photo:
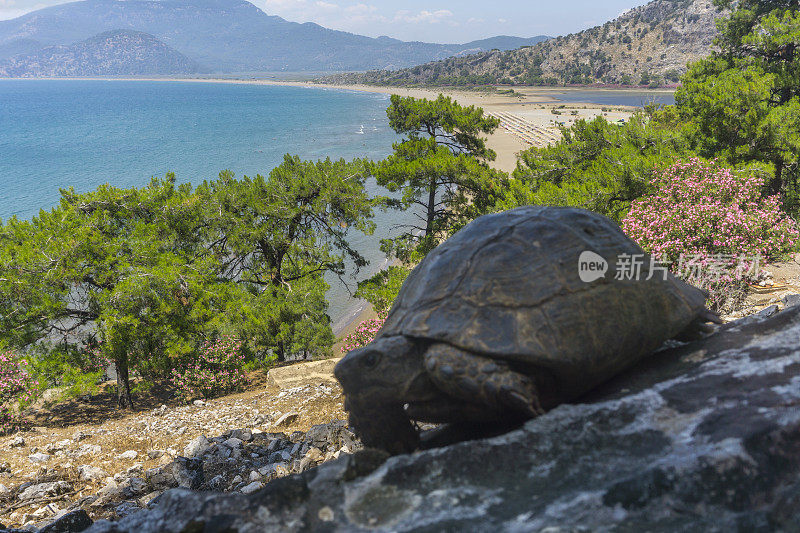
x=703 y=437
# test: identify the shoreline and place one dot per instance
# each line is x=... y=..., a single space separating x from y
x=533 y=104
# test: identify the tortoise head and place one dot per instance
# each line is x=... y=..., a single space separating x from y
x=378 y=381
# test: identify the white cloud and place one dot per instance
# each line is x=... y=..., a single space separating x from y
x=327 y=6
x=359 y=16
x=10 y=9
x=361 y=8
x=428 y=17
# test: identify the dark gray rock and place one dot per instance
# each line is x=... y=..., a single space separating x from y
x=768 y=311
x=127 y=508
x=703 y=437
x=332 y=437
x=188 y=472
x=244 y=435
x=45 y=490
x=791 y=300
x=73 y=522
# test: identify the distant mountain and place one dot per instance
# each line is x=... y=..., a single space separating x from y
x=113 y=53
x=19 y=46
x=224 y=36
x=648 y=45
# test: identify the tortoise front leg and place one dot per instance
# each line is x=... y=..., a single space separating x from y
x=479 y=380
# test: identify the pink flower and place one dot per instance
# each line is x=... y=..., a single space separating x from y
x=705 y=210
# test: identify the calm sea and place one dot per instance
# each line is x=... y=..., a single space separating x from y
x=61 y=133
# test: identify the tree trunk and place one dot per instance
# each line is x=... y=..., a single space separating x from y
x=281 y=352
x=776 y=185
x=431 y=207
x=124 y=399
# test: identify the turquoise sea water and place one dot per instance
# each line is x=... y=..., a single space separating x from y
x=58 y=133
x=80 y=133
x=61 y=133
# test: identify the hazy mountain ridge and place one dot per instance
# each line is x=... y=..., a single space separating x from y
x=113 y=53
x=225 y=36
x=648 y=44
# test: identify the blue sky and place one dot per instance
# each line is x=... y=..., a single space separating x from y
x=426 y=20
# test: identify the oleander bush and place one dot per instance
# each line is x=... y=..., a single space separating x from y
x=712 y=225
x=216 y=370
x=17 y=388
x=364 y=333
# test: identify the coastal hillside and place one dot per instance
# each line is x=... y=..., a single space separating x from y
x=648 y=45
x=227 y=36
x=113 y=53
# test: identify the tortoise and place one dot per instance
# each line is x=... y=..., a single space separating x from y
x=496 y=325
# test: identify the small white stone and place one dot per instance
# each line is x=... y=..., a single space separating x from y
x=196 y=447
x=286 y=419
x=326 y=514
x=88 y=449
x=252 y=487
x=80 y=435
x=111 y=489
x=47 y=510
x=91 y=473
x=39 y=457
x=130 y=454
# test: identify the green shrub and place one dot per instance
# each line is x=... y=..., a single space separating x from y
x=596 y=165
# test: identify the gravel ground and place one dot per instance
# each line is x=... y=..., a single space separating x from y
x=69 y=467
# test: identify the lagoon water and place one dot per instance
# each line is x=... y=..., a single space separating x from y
x=621 y=97
x=61 y=133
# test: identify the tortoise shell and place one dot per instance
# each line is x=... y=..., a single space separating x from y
x=508 y=286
